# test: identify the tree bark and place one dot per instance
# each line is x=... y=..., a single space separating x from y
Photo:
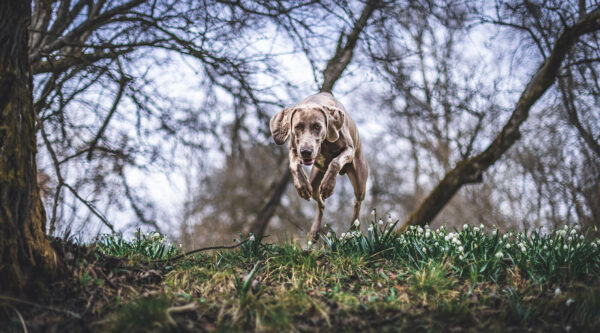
x=333 y=71
x=266 y=213
x=25 y=252
x=471 y=170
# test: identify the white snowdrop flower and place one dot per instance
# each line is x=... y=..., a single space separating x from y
x=427 y=234
x=343 y=235
x=424 y=249
x=461 y=257
x=557 y=291
x=523 y=249
x=380 y=222
x=461 y=249
x=573 y=231
x=465 y=226
x=577 y=226
x=565 y=227
x=494 y=232
x=437 y=244
x=505 y=236
x=309 y=243
x=476 y=229
x=581 y=237
x=251 y=238
x=389 y=219
x=420 y=230
x=481 y=226
x=475 y=245
x=356 y=223
x=507 y=245
x=562 y=233
x=329 y=235
x=545 y=247
x=446 y=238
x=569 y=302
x=565 y=247
x=370 y=229
x=373 y=214
x=499 y=254
x=551 y=242
x=570 y=238
x=594 y=245
x=180 y=245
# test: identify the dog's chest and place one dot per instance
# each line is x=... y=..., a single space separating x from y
x=327 y=154
x=320 y=161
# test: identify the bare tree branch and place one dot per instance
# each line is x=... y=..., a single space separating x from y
x=471 y=170
x=344 y=51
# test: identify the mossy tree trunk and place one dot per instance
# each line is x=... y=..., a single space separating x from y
x=25 y=252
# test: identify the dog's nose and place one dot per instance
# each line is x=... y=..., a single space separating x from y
x=306 y=152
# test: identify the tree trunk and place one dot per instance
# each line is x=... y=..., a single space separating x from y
x=25 y=252
x=266 y=213
x=471 y=170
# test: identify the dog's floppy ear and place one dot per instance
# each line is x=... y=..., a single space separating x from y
x=335 y=121
x=280 y=125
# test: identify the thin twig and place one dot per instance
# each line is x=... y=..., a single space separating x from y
x=91 y=207
x=183 y=308
x=21 y=320
x=122 y=85
x=51 y=308
x=204 y=249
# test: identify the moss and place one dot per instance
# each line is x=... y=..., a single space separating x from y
x=146 y=314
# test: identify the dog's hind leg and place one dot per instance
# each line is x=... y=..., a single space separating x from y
x=316 y=176
x=358 y=173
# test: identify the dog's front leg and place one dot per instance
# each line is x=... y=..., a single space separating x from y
x=300 y=182
x=334 y=168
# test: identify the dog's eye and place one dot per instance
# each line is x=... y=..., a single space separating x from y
x=298 y=127
x=317 y=127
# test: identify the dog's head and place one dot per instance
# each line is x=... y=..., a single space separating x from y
x=309 y=125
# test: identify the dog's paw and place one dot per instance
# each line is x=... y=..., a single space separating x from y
x=327 y=186
x=304 y=190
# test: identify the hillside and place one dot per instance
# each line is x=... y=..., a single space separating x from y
x=379 y=280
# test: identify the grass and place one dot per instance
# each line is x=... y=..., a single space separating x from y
x=420 y=280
